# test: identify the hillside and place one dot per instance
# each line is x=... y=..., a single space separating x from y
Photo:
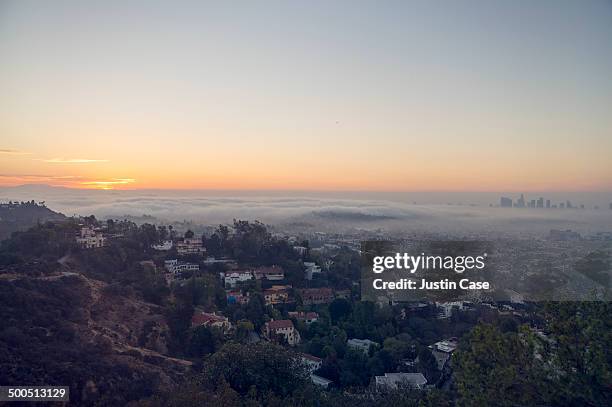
x=72 y=330
x=18 y=216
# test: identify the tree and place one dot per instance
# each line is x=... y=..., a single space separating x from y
x=204 y=340
x=261 y=366
x=338 y=309
x=243 y=330
x=581 y=334
x=428 y=365
x=491 y=368
x=179 y=322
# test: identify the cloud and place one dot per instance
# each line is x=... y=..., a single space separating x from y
x=108 y=184
x=38 y=177
x=9 y=151
x=319 y=212
x=72 y=160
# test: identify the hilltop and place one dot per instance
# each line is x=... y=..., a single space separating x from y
x=17 y=216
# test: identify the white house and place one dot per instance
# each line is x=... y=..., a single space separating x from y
x=231 y=279
x=446 y=346
x=311 y=362
x=446 y=308
x=320 y=381
x=362 y=345
x=163 y=246
x=393 y=380
x=311 y=269
x=176 y=267
x=90 y=238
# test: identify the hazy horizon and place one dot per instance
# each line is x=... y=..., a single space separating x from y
x=333 y=211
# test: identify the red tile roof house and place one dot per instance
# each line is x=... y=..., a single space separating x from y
x=308 y=317
x=282 y=328
x=277 y=294
x=274 y=273
x=210 y=320
x=311 y=362
x=312 y=296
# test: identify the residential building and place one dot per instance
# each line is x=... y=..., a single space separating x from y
x=238 y=276
x=307 y=317
x=91 y=238
x=445 y=309
x=163 y=246
x=282 y=329
x=311 y=362
x=175 y=266
x=277 y=294
x=394 y=380
x=191 y=245
x=273 y=273
x=362 y=345
x=313 y=296
x=210 y=320
x=447 y=345
x=301 y=250
x=320 y=381
x=311 y=269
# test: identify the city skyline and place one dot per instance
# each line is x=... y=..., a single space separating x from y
x=346 y=96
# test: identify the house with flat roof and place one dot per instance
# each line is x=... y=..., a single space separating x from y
x=175 y=266
x=163 y=246
x=395 y=380
x=362 y=345
x=311 y=269
x=91 y=238
x=446 y=346
x=320 y=381
x=238 y=276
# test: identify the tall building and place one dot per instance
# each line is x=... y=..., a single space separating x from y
x=505 y=202
x=548 y=203
x=520 y=203
x=532 y=204
x=540 y=203
x=568 y=204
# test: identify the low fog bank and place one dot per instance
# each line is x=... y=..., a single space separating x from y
x=320 y=211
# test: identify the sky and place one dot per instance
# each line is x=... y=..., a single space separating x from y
x=371 y=96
